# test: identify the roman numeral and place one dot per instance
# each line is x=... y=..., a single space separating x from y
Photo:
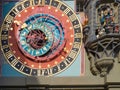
x=5 y=46
x=50 y=2
x=15 y=11
x=72 y=17
x=8 y=54
x=66 y=62
x=14 y=62
x=76 y=26
x=78 y=35
x=72 y=54
x=66 y=11
x=76 y=46
x=45 y=72
x=38 y=2
x=4 y=37
x=5 y=26
x=22 y=67
x=59 y=5
x=9 y=19
x=43 y=2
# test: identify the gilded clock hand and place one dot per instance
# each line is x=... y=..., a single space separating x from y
x=24 y=25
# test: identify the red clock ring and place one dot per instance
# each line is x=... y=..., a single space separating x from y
x=61 y=53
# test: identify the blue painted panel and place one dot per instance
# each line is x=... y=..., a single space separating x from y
x=7 y=71
x=7 y=6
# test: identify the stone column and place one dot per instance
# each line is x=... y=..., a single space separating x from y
x=92 y=20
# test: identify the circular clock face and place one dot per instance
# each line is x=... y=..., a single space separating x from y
x=41 y=37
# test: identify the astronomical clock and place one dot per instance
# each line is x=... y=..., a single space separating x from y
x=41 y=37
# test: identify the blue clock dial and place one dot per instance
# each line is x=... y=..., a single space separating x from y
x=43 y=33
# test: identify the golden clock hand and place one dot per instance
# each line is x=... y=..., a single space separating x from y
x=17 y=22
x=24 y=25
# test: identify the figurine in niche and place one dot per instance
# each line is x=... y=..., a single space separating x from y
x=107 y=21
x=116 y=29
x=100 y=32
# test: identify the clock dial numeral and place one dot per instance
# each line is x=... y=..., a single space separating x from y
x=5 y=27
x=38 y=2
x=23 y=68
x=59 y=5
x=44 y=72
x=43 y=2
x=14 y=62
x=77 y=26
x=67 y=61
x=76 y=45
x=5 y=46
x=67 y=10
x=72 y=17
x=72 y=54
x=4 y=37
x=8 y=54
x=78 y=35
x=15 y=11
x=9 y=19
